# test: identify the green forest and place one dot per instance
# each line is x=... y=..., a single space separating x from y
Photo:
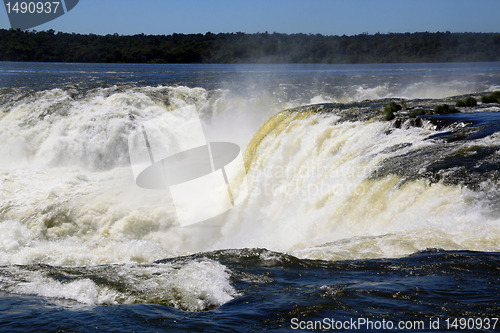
x=49 y=46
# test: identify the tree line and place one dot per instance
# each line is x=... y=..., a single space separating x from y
x=49 y=46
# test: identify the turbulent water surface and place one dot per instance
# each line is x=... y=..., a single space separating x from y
x=348 y=216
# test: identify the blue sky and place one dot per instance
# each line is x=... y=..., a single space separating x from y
x=328 y=17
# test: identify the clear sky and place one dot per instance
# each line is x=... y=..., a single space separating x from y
x=328 y=17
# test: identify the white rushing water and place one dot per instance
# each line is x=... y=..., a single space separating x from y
x=68 y=198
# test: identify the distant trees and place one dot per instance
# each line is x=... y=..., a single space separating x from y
x=17 y=45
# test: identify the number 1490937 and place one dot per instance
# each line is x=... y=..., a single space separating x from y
x=32 y=7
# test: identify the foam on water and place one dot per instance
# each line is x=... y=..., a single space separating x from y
x=194 y=285
x=74 y=228
x=68 y=199
x=68 y=217
x=312 y=184
x=425 y=89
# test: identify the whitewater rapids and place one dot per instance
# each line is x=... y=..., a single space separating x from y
x=68 y=198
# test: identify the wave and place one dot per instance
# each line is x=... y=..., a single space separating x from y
x=192 y=285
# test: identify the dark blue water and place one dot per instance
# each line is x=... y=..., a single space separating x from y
x=425 y=287
x=42 y=76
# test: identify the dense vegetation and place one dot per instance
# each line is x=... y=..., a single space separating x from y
x=493 y=98
x=469 y=102
x=16 y=45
